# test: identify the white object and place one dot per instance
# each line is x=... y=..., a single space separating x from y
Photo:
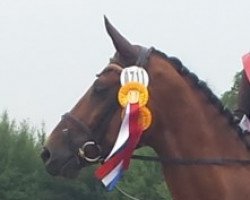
x=134 y=74
x=245 y=123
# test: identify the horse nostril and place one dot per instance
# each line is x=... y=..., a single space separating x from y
x=45 y=155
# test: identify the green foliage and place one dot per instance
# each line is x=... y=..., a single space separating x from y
x=143 y=180
x=229 y=97
x=23 y=177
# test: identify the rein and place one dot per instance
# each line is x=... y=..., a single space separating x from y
x=167 y=161
x=193 y=161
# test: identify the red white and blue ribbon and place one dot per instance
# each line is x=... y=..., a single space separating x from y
x=119 y=159
x=123 y=134
x=132 y=96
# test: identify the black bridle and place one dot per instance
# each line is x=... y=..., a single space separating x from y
x=94 y=144
x=91 y=142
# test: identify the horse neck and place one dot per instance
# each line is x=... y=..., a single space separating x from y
x=188 y=126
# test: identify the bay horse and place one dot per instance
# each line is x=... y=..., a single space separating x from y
x=189 y=122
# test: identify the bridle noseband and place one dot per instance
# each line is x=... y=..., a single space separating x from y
x=82 y=152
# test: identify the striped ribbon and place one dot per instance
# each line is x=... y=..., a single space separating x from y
x=119 y=158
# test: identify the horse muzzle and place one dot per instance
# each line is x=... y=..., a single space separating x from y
x=64 y=164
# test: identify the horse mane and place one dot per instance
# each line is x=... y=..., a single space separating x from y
x=202 y=85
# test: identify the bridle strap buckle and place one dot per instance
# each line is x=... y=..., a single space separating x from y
x=82 y=152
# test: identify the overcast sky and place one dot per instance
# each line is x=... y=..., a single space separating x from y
x=50 y=50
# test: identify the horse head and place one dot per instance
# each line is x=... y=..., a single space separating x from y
x=86 y=134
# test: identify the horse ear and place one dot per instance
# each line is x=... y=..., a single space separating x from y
x=126 y=50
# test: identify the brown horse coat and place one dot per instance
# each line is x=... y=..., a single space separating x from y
x=189 y=122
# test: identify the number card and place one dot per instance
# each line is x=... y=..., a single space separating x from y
x=134 y=74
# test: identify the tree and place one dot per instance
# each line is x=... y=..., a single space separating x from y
x=23 y=177
x=229 y=97
x=143 y=180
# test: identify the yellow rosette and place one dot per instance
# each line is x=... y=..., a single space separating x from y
x=145 y=118
x=133 y=92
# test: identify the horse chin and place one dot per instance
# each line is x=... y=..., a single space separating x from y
x=71 y=168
